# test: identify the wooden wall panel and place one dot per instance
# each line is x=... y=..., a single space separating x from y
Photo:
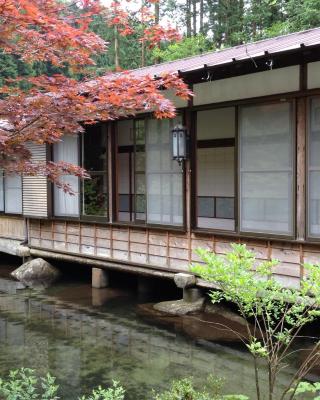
x=164 y=249
x=11 y=227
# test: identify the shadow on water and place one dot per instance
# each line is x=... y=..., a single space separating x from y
x=87 y=337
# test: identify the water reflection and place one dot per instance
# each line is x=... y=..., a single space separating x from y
x=87 y=337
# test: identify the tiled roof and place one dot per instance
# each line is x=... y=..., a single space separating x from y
x=274 y=45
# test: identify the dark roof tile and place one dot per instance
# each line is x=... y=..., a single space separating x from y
x=275 y=45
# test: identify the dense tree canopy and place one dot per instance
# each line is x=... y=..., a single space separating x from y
x=205 y=24
x=51 y=50
x=50 y=34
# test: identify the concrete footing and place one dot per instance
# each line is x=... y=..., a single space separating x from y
x=187 y=282
x=191 y=295
x=14 y=247
x=100 y=278
x=192 y=301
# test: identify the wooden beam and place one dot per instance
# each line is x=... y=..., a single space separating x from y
x=301 y=168
x=212 y=143
x=303 y=74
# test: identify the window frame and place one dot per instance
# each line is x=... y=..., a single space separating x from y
x=52 y=188
x=237 y=233
x=94 y=218
x=81 y=218
x=4 y=212
x=309 y=238
x=293 y=110
x=194 y=169
x=189 y=118
x=140 y=223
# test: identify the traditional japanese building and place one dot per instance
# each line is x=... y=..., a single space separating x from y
x=251 y=173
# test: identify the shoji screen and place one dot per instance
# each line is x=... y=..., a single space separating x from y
x=215 y=168
x=125 y=181
x=314 y=168
x=64 y=203
x=13 y=194
x=164 y=177
x=266 y=168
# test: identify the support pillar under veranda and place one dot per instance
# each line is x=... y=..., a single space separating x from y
x=100 y=278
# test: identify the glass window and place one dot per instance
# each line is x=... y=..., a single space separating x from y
x=66 y=204
x=164 y=177
x=215 y=168
x=150 y=184
x=139 y=170
x=94 y=156
x=131 y=170
x=266 y=169
x=314 y=168
x=10 y=193
x=13 y=194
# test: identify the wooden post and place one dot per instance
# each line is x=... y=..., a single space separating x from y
x=110 y=157
x=116 y=48
x=188 y=171
x=301 y=168
x=100 y=278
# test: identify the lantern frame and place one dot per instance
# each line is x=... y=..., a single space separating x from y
x=180 y=143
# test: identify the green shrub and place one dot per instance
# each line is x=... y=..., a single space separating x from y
x=23 y=384
x=274 y=315
x=115 y=392
x=184 y=389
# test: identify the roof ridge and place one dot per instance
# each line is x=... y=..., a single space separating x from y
x=244 y=45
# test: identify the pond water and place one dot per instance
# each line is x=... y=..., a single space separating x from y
x=88 y=337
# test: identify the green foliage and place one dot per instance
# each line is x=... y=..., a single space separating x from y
x=94 y=200
x=307 y=387
x=255 y=290
x=184 y=389
x=189 y=46
x=24 y=385
x=8 y=67
x=274 y=315
x=116 y=392
x=302 y=14
x=129 y=48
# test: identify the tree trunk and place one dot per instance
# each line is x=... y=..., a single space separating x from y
x=194 y=17
x=188 y=17
x=116 y=48
x=157 y=12
x=157 y=20
x=143 y=53
x=201 y=16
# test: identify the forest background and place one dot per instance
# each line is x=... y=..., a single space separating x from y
x=205 y=25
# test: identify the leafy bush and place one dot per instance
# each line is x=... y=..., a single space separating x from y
x=274 y=315
x=24 y=385
x=184 y=389
x=115 y=392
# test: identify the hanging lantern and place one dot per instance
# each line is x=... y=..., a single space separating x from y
x=179 y=143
